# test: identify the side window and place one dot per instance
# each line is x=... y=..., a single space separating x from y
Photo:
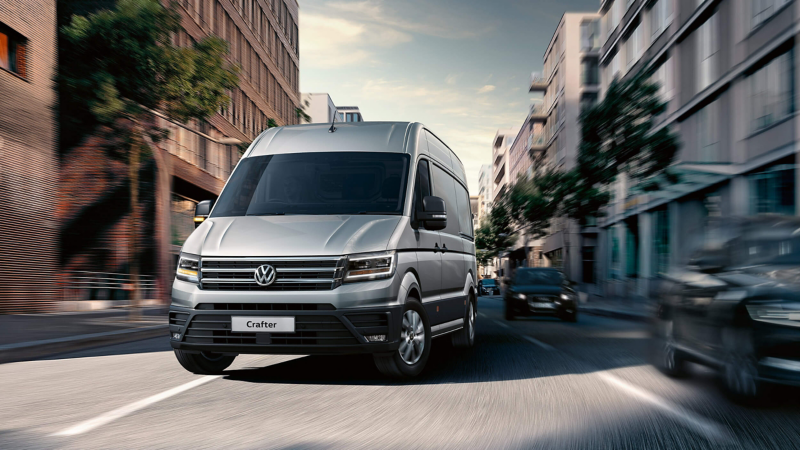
x=423 y=186
x=464 y=211
x=437 y=149
x=444 y=187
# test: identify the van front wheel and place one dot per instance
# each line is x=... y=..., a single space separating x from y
x=205 y=363
x=415 y=344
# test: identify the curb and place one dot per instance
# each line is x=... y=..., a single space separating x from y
x=614 y=314
x=25 y=351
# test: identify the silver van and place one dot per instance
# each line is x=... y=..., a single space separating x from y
x=357 y=240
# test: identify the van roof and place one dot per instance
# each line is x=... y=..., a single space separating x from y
x=349 y=136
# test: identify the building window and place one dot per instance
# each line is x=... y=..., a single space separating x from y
x=661 y=241
x=13 y=51
x=772 y=89
x=764 y=9
x=708 y=51
x=664 y=76
x=589 y=72
x=772 y=190
x=634 y=47
x=590 y=36
x=708 y=133
x=588 y=99
x=660 y=17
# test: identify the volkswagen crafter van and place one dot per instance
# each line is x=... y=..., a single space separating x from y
x=358 y=240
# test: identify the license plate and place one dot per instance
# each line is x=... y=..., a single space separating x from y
x=264 y=324
x=545 y=305
x=794 y=316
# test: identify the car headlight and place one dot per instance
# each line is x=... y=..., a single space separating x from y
x=188 y=267
x=522 y=296
x=775 y=311
x=370 y=266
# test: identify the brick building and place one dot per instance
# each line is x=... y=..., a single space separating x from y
x=192 y=165
x=28 y=158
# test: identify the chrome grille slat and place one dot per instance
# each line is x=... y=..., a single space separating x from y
x=291 y=273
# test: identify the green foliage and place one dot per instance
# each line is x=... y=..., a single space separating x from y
x=495 y=233
x=121 y=63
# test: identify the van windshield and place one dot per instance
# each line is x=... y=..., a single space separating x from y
x=328 y=183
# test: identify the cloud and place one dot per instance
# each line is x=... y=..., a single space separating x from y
x=330 y=42
x=486 y=88
x=452 y=78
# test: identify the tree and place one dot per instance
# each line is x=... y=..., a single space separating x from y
x=118 y=66
x=495 y=233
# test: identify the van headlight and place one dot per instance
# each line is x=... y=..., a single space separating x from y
x=188 y=267
x=370 y=266
x=775 y=311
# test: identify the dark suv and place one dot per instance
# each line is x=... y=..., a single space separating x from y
x=540 y=291
x=736 y=307
x=488 y=286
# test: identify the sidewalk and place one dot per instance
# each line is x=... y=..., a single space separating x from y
x=30 y=336
x=627 y=309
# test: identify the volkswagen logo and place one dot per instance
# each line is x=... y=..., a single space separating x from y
x=265 y=275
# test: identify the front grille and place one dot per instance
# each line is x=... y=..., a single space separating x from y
x=266 y=306
x=367 y=324
x=291 y=274
x=178 y=319
x=309 y=330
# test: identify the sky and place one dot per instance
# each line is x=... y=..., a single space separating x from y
x=461 y=67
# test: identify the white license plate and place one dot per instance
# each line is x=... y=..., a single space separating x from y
x=794 y=316
x=263 y=324
x=545 y=305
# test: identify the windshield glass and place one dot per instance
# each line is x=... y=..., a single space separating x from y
x=488 y=282
x=316 y=183
x=533 y=276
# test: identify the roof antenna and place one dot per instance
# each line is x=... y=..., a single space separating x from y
x=333 y=122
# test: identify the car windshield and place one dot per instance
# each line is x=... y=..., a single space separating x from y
x=488 y=282
x=538 y=277
x=316 y=183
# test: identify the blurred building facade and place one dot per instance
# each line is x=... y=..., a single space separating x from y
x=500 y=170
x=319 y=107
x=551 y=134
x=28 y=156
x=349 y=114
x=728 y=72
x=485 y=183
x=191 y=165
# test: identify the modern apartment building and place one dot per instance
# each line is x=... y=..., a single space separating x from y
x=728 y=72
x=349 y=114
x=484 y=205
x=28 y=156
x=551 y=132
x=191 y=165
x=501 y=144
x=320 y=107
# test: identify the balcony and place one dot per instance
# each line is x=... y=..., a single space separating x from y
x=538 y=112
x=538 y=82
x=499 y=173
x=537 y=142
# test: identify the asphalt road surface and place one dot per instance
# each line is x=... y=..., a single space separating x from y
x=530 y=383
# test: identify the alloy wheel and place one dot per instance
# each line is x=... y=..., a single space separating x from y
x=471 y=324
x=412 y=337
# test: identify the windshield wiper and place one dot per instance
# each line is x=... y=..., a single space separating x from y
x=268 y=214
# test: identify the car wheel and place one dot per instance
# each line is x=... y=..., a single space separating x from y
x=509 y=311
x=465 y=337
x=415 y=344
x=670 y=359
x=204 y=363
x=570 y=316
x=740 y=369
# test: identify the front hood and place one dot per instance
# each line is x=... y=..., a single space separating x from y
x=541 y=289
x=291 y=235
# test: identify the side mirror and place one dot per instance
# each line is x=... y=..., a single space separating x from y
x=201 y=211
x=434 y=214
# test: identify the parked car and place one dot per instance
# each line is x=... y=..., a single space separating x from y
x=736 y=308
x=540 y=291
x=488 y=286
x=350 y=239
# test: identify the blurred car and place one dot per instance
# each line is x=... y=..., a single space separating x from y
x=488 y=286
x=540 y=291
x=736 y=308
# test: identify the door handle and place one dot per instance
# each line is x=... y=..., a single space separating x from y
x=436 y=248
x=444 y=248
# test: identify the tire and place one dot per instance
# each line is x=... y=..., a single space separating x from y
x=570 y=317
x=739 y=372
x=205 y=363
x=409 y=360
x=509 y=311
x=465 y=337
x=668 y=357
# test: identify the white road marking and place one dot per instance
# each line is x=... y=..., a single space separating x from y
x=482 y=314
x=705 y=427
x=501 y=324
x=539 y=343
x=111 y=416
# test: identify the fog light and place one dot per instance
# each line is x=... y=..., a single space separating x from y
x=376 y=338
x=176 y=336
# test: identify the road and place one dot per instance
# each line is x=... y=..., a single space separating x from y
x=530 y=383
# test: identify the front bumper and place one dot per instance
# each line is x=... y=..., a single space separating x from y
x=558 y=307
x=317 y=331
